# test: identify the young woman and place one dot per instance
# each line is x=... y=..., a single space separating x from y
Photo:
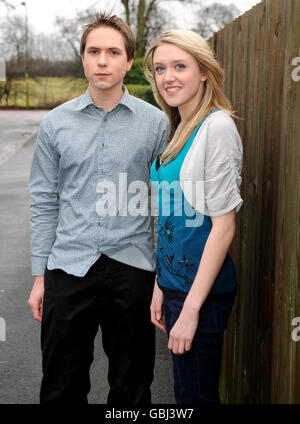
x=197 y=177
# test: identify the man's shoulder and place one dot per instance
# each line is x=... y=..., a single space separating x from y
x=63 y=109
x=145 y=107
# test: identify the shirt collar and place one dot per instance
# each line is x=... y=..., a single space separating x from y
x=84 y=101
x=126 y=100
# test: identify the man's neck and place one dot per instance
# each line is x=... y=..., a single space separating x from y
x=106 y=99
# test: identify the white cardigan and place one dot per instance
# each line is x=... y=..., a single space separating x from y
x=210 y=176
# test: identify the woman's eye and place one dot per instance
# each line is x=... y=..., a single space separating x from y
x=180 y=66
x=158 y=68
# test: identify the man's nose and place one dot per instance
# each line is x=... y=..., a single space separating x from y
x=102 y=59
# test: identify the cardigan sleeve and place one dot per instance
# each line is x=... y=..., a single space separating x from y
x=211 y=173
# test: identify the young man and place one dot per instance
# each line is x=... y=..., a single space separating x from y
x=91 y=269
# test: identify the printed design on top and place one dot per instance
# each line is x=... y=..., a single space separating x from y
x=173 y=265
x=167 y=229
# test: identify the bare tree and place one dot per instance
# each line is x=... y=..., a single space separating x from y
x=70 y=29
x=12 y=41
x=41 y=46
x=145 y=17
x=51 y=47
x=8 y=5
x=214 y=17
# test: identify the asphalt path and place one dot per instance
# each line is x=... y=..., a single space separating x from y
x=20 y=357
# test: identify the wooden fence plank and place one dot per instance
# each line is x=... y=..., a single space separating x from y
x=261 y=363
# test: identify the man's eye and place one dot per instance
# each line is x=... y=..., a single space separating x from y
x=93 y=51
x=113 y=52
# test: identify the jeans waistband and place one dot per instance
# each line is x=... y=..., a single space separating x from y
x=212 y=297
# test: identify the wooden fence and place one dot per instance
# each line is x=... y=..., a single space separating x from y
x=261 y=362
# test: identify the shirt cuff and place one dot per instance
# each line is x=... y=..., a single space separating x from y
x=38 y=265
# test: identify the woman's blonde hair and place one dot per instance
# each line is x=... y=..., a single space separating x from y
x=213 y=96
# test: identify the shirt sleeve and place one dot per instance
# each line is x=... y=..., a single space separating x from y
x=223 y=167
x=43 y=188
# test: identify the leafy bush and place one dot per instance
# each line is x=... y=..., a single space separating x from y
x=136 y=74
x=143 y=92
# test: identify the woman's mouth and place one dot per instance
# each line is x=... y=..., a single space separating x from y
x=172 y=90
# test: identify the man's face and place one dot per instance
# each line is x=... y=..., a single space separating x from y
x=105 y=60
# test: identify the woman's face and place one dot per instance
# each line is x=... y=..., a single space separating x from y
x=178 y=78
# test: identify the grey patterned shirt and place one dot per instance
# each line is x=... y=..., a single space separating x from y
x=78 y=147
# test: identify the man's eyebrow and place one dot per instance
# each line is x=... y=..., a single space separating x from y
x=108 y=48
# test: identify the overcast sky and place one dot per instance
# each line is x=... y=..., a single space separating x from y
x=41 y=13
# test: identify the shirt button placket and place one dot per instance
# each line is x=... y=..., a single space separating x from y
x=104 y=122
x=102 y=160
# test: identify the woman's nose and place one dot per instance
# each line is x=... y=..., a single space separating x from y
x=169 y=75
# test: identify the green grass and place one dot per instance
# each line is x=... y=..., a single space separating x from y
x=44 y=92
x=48 y=92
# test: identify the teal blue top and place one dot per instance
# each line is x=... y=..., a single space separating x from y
x=183 y=230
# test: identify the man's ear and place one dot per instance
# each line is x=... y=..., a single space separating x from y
x=129 y=65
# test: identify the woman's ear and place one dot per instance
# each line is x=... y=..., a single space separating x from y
x=203 y=77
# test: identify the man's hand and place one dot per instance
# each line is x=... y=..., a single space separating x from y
x=157 y=316
x=36 y=298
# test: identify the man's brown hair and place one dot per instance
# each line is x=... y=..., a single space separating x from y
x=102 y=19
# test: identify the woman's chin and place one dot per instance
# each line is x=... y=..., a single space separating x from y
x=172 y=102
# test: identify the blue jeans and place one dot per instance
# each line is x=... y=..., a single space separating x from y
x=196 y=372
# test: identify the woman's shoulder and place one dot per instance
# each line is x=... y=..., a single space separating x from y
x=219 y=120
x=219 y=131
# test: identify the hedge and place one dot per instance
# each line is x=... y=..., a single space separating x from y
x=143 y=92
x=136 y=74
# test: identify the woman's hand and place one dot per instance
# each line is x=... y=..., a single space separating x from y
x=183 y=331
x=156 y=308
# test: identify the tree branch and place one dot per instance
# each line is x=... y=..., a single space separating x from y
x=127 y=10
x=150 y=8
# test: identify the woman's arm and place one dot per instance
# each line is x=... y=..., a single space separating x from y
x=215 y=251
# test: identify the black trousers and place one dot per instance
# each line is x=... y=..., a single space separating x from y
x=115 y=296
